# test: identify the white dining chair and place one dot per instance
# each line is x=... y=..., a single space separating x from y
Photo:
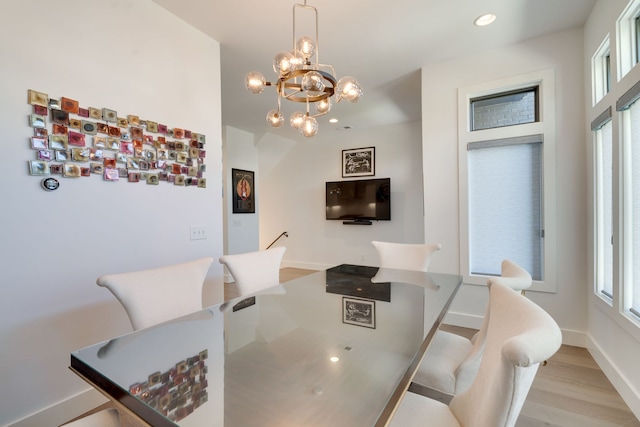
x=520 y=335
x=452 y=361
x=156 y=295
x=255 y=271
x=513 y=276
x=104 y=418
x=405 y=256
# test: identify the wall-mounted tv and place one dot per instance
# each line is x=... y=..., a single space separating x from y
x=359 y=201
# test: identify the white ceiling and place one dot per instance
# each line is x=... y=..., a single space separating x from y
x=381 y=43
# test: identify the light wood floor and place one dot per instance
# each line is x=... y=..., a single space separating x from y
x=571 y=391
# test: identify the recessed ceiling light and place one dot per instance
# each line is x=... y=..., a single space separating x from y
x=334 y=120
x=334 y=359
x=485 y=19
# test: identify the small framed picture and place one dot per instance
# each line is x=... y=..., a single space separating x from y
x=121 y=158
x=163 y=129
x=96 y=154
x=99 y=142
x=83 y=112
x=114 y=131
x=152 y=126
x=76 y=138
x=81 y=154
x=54 y=104
x=84 y=171
x=359 y=312
x=181 y=157
x=122 y=122
x=243 y=191
x=45 y=155
x=39 y=109
x=178 y=133
x=113 y=144
x=111 y=174
x=102 y=128
x=40 y=132
x=359 y=162
x=109 y=163
x=60 y=116
x=95 y=113
x=88 y=127
x=59 y=129
x=71 y=170
x=132 y=163
x=126 y=147
x=134 y=176
x=59 y=142
x=37 y=121
x=179 y=180
x=63 y=155
x=97 y=168
x=70 y=105
x=110 y=115
x=202 y=182
x=38 y=167
x=39 y=143
x=75 y=123
x=153 y=179
x=55 y=169
x=38 y=98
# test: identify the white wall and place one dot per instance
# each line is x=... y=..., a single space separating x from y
x=241 y=230
x=136 y=58
x=292 y=197
x=563 y=53
x=614 y=341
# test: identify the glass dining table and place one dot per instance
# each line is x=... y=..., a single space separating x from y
x=338 y=347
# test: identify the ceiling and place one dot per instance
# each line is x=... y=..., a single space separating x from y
x=382 y=44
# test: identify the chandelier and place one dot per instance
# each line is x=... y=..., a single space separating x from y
x=302 y=79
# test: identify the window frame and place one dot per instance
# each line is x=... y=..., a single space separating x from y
x=596 y=127
x=545 y=80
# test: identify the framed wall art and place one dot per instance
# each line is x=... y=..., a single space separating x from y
x=359 y=162
x=359 y=312
x=243 y=189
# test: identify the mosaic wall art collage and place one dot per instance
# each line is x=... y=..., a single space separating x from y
x=72 y=142
x=178 y=391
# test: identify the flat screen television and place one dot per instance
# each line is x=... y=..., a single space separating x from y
x=359 y=201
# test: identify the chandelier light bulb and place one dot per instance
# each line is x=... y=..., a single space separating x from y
x=296 y=120
x=274 y=118
x=309 y=126
x=298 y=59
x=283 y=63
x=313 y=83
x=255 y=82
x=349 y=89
x=323 y=106
x=307 y=46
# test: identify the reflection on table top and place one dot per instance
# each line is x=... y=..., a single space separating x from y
x=337 y=347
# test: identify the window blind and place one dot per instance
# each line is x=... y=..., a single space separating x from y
x=505 y=204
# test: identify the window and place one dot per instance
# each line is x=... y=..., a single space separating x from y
x=603 y=155
x=601 y=71
x=631 y=141
x=507 y=167
x=505 y=109
x=627 y=38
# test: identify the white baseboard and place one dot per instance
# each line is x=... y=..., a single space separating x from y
x=629 y=394
x=63 y=411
